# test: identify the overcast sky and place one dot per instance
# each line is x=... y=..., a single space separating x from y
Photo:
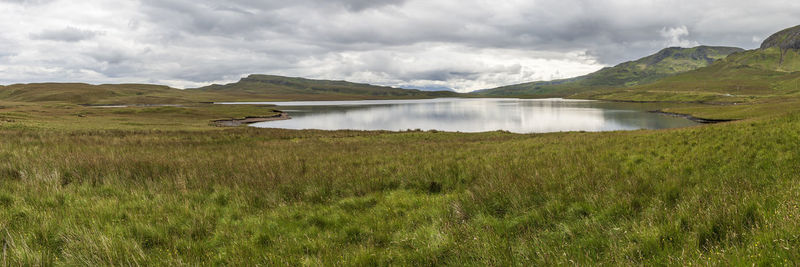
x=460 y=44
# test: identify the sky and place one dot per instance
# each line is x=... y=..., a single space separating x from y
x=460 y=44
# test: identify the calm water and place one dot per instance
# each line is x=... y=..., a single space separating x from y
x=471 y=115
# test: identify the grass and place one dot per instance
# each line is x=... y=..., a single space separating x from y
x=65 y=116
x=159 y=186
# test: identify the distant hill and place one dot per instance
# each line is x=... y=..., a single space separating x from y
x=669 y=61
x=252 y=88
x=255 y=87
x=429 y=88
x=772 y=70
x=81 y=93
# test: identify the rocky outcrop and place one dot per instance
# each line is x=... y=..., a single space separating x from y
x=785 y=39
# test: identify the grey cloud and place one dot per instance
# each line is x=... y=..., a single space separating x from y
x=443 y=75
x=244 y=18
x=360 y=5
x=27 y=2
x=463 y=44
x=68 y=34
x=110 y=56
x=4 y=56
x=541 y=26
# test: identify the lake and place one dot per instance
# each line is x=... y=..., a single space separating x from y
x=470 y=115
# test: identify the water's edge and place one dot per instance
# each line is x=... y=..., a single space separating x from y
x=251 y=120
x=464 y=115
x=691 y=118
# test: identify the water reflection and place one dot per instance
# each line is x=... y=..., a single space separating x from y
x=471 y=115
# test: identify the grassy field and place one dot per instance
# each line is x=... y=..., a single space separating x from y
x=158 y=185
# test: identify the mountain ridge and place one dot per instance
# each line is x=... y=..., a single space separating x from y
x=769 y=72
x=666 y=62
x=254 y=87
x=275 y=86
x=788 y=38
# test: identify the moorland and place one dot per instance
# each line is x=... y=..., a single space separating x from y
x=146 y=185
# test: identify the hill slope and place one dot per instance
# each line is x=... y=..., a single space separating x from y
x=772 y=70
x=252 y=88
x=785 y=39
x=288 y=88
x=81 y=93
x=669 y=61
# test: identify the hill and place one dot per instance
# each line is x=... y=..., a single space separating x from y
x=769 y=71
x=81 y=93
x=785 y=39
x=290 y=88
x=429 y=88
x=669 y=61
x=252 y=88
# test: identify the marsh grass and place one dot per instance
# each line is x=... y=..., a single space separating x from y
x=103 y=192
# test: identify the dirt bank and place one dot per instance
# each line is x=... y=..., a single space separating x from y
x=690 y=117
x=249 y=120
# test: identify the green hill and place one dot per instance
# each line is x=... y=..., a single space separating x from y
x=770 y=71
x=255 y=87
x=252 y=88
x=669 y=61
x=81 y=93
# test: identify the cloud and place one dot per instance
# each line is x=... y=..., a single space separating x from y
x=360 y=5
x=68 y=34
x=676 y=37
x=460 y=44
x=27 y=2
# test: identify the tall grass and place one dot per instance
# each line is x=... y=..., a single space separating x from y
x=722 y=194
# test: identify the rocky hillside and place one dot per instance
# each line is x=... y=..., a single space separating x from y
x=785 y=39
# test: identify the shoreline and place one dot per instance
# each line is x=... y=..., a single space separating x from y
x=691 y=118
x=250 y=120
x=129 y=105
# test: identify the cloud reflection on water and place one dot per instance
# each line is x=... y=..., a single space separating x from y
x=472 y=115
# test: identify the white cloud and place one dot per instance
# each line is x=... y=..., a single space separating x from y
x=462 y=44
x=676 y=37
x=455 y=66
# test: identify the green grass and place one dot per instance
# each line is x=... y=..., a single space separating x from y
x=64 y=116
x=147 y=186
